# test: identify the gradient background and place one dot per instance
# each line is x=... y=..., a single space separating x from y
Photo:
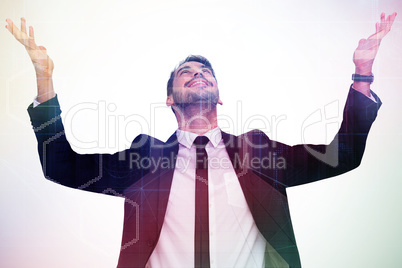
x=278 y=64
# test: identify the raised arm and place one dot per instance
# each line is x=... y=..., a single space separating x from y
x=43 y=64
x=101 y=173
x=309 y=163
x=306 y=163
x=367 y=49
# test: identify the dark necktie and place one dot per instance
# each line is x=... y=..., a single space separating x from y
x=201 y=233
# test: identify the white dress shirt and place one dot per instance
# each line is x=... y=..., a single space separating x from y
x=234 y=238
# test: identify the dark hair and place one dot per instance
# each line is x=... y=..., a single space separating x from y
x=196 y=58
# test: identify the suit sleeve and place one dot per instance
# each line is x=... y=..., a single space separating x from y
x=101 y=173
x=306 y=163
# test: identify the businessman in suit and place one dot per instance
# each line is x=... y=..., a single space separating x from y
x=203 y=198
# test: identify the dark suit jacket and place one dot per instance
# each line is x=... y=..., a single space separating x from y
x=146 y=189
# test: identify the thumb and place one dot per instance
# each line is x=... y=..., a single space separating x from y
x=361 y=42
x=42 y=48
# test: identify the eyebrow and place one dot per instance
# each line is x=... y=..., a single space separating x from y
x=182 y=68
x=188 y=67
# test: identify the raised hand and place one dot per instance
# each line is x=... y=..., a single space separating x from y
x=367 y=49
x=42 y=62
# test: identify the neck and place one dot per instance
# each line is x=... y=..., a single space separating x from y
x=196 y=119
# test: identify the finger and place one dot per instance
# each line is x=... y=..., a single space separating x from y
x=391 y=18
x=382 y=17
x=31 y=32
x=15 y=31
x=361 y=42
x=9 y=25
x=23 y=25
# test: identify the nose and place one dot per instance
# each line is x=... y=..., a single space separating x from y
x=198 y=74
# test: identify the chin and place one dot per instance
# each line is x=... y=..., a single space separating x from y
x=203 y=104
x=207 y=99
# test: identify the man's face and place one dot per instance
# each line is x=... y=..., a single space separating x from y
x=194 y=83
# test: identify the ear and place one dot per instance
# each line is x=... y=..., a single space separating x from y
x=169 y=100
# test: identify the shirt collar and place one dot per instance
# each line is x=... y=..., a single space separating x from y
x=187 y=138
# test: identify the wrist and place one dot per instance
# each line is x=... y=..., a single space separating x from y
x=362 y=87
x=41 y=98
x=45 y=88
x=364 y=70
x=42 y=75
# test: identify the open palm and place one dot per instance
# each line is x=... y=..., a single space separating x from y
x=42 y=62
x=367 y=49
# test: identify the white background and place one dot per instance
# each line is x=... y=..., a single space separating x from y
x=273 y=59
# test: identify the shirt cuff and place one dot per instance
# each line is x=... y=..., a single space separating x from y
x=35 y=102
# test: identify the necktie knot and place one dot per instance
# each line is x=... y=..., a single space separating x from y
x=201 y=142
x=201 y=154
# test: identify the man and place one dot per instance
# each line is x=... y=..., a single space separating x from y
x=204 y=198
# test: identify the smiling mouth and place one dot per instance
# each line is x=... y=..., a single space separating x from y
x=198 y=82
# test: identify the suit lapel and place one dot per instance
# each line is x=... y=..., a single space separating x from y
x=170 y=151
x=147 y=199
x=268 y=205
